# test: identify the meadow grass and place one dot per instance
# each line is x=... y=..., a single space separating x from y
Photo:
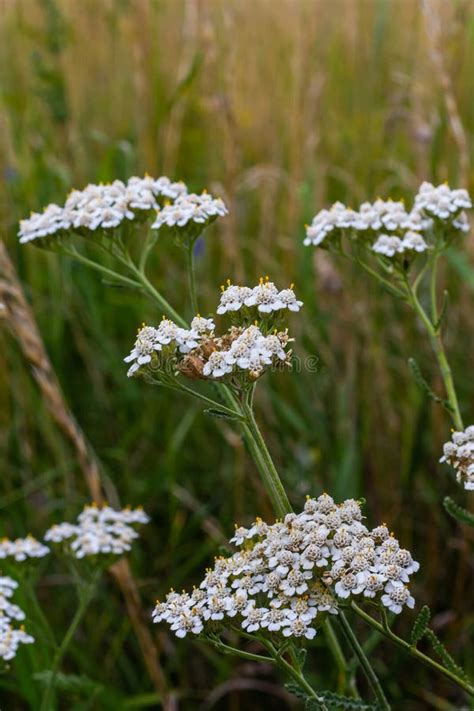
x=281 y=108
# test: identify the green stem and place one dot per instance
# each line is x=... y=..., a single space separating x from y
x=209 y=401
x=384 y=282
x=272 y=480
x=424 y=658
x=155 y=295
x=148 y=245
x=191 y=277
x=295 y=673
x=433 y=284
x=364 y=662
x=38 y=612
x=120 y=278
x=440 y=353
x=84 y=600
x=228 y=649
x=419 y=277
x=298 y=676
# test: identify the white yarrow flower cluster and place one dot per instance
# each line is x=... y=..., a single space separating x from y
x=199 y=353
x=103 y=206
x=10 y=636
x=265 y=297
x=152 y=340
x=459 y=453
x=99 y=531
x=251 y=351
x=287 y=576
x=22 y=548
x=339 y=217
x=202 y=326
x=442 y=202
x=389 y=246
x=380 y=216
x=388 y=215
x=199 y=209
x=398 y=229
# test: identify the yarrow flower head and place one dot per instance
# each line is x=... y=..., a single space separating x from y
x=441 y=202
x=22 y=548
x=387 y=228
x=11 y=636
x=389 y=246
x=242 y=354
x=459 y=453
x=248 y=352
x=326 y=222
x=189 y=214
x=152 y=343
x=264 y=298
x=202 y=325
x=287 y=576
x=99 y=531
x=104 y=206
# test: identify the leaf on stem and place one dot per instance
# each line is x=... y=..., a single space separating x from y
x=296 y=690
x=421 y=382
x=458 y=512
x=445 y=656
x=330 y=700
x=301 y=657
x=420 y=625
x=212 y=412
x=337 y=702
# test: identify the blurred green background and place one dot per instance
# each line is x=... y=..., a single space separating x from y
x=280 y=107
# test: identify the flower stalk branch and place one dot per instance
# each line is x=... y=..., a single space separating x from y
x=387 y=632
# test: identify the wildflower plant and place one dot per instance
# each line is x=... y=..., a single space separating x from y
x=401 y=249
x=90 y=545
x=291 y=579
